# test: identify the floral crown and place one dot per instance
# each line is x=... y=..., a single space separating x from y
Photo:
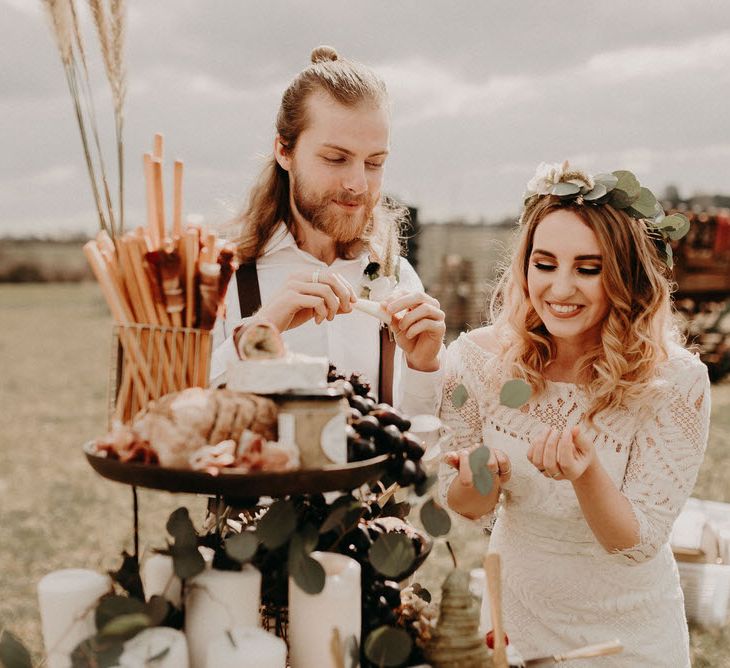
x=620 y=189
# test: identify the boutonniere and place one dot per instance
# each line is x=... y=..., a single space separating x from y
x=375 y=288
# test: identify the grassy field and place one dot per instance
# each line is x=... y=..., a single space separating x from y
x=55 y=512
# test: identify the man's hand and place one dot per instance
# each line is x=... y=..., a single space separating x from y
x=419 y=326
x=320 y=295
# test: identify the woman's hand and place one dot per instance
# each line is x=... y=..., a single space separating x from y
x=499 y=464
x=562 y=455
x=419 y=325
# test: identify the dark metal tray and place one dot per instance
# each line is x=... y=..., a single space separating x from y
x=239 y=487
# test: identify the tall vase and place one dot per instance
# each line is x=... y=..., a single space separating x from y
x=323 y=625
x=218 y=601
x=67 y=601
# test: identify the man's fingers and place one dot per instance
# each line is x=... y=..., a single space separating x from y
x=421 y=312
x=423 y=326
x=410 y=301
x=321 y=290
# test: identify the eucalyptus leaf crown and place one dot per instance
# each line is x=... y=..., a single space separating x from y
x=621 y=189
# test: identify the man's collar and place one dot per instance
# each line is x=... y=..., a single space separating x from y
x=280 y=239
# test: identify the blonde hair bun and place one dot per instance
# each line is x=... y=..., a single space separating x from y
x=323 y=54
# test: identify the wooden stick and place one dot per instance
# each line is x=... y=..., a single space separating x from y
x=493 y=570
x=113 y=300
x=130 y=282
x=177 y=200
x=191 y=263
x=134 y=250
x=159 y=144
x=159 y=197
x=149 y=178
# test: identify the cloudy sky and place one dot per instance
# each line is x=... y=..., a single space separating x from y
x=481 y=90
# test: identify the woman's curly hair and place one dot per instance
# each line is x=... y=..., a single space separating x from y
x=635 y=334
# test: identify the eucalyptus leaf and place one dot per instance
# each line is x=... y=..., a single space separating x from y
x=310 y=537
x=645 y=205
x=677 y=225
x=277 y=524
x=628 y=183
x=459 y=396
x=126 y=625
x=435 y=519
x=392 y=554
x=180 y=527
x=97 y=652
x=388 y=646
x=113 y=605
x=481 y=475
x=609 y=181
x=563 y=189
x=13 y=653
x=599 y=190
x=241 y=547
x=515 y=393
x=187 y=561
x=309 y=574
x=334 y=519
x=157 y=609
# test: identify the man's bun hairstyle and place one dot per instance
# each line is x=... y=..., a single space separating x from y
x=323 y=54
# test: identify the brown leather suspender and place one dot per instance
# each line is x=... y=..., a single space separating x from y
x=249 y=297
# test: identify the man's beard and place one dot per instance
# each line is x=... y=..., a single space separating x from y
x=327 y=217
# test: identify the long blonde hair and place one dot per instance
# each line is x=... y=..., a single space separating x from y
x=350 y=84
x=637 y=331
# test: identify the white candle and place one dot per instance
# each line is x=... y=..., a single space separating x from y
x=151 y=643
x=67 y=601
x=216 y=601
x=246 y=647
x=159 y=579
x=313 y=618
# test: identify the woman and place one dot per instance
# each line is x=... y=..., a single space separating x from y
x=594 y=469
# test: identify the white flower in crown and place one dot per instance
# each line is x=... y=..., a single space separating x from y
x=381 y=288
x=548 y=175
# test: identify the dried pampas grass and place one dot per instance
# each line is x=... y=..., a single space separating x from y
x=109 y=17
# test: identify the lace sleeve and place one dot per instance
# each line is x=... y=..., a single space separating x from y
x=464 y=420
x=666 y=455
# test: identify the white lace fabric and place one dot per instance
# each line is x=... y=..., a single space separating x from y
x=561 y=588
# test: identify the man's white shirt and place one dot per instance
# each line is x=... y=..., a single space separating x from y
x=351 y=341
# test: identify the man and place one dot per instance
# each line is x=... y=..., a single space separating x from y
x=315 y=221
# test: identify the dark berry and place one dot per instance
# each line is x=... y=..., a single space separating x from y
x=367 y=426
x=413 y=447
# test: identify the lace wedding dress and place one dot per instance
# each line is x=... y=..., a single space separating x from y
x=562 y=589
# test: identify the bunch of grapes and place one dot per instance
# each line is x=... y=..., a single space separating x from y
x=377 y=429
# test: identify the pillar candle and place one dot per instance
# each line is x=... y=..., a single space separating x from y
x=216 y=601
x=152 y=642
x=313 y=618
x=246 y=647
x=67 y=601
x=159 y=579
